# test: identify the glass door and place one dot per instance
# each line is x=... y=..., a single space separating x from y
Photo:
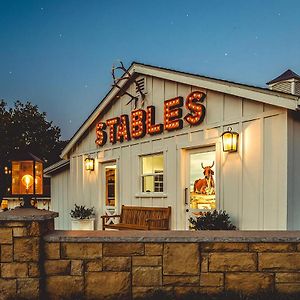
x=109 y=184
x=200 y=190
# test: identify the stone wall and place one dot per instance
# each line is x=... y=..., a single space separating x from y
x=37 y=262
x=136 y=269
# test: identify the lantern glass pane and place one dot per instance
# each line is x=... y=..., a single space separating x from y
x=22 y=178
x=227 y=141
x=38 y=178
x=89 y=164
x=234 y=142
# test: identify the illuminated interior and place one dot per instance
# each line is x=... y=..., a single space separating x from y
x=202 y=186
x=23 y=178
x=110 y=178
x=152 y=173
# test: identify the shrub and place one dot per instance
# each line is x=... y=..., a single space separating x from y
x=81 y=212
x=216 y=220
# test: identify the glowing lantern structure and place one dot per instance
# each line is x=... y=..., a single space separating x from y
x=89 y=164
x=230 y=140
x=26 y=177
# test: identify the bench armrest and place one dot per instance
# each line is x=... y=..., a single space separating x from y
x=113 y=216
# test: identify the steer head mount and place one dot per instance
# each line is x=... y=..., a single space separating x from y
x=125 y=75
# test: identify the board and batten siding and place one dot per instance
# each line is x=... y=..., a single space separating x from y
x=293 y=171
x=249 y=183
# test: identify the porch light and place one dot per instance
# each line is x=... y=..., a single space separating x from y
x=230 y=140
x=26 y=177
x=89 y=164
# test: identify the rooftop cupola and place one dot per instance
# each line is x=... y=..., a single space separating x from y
x=287 y=82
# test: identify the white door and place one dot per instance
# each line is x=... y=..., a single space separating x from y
x=200 y=187
x=109 y=190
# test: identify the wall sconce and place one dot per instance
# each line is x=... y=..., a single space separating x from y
x=230 y=140
x=89 y=164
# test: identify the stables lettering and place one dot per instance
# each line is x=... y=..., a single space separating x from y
x=142 y=121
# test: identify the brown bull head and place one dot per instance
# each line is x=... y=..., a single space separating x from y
x=208 y=172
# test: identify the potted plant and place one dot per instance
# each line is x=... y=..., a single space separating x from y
x=83 y=218
x=215 y=220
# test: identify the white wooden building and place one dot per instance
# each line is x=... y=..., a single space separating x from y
x=144 y=163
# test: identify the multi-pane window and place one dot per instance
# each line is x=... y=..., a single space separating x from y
x=153 y=173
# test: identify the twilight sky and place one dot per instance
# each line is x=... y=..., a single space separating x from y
x=58 y=53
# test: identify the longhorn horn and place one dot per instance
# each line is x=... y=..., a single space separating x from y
x=202 y=166
x=212 y=164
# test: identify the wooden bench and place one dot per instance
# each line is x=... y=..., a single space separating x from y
x=140 y=218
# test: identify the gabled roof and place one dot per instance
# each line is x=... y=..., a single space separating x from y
x=56 y=167
x=288 y=74
x=264 y=95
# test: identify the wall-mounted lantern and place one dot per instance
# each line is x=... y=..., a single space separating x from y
x=89 y=164
x=26 y=177
x=230 y=140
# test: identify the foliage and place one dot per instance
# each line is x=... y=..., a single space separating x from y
x=81 y=212
x=23 y=127
x=216 y=220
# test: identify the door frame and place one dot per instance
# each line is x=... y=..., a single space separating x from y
x=184 y=178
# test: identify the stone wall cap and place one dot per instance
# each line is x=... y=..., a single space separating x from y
x=175 y=236
x=27 y=214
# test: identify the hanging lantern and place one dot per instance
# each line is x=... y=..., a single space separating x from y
x=89 y=164
x=230 y=140
x=26 y=176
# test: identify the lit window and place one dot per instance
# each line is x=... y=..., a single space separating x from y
x=153 y=173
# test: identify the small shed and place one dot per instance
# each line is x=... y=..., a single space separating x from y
x=156 y=140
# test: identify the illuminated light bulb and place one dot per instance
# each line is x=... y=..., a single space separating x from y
x=27 y=181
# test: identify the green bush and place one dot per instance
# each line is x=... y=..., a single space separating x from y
x=81 y=212
x=216 y=220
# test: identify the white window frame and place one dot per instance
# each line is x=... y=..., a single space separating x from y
x=141 y=175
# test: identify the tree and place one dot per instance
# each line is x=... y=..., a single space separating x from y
x=23 y=127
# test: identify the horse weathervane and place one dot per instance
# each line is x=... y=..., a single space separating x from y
x=127 y=76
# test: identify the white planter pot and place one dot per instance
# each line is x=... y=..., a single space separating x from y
x=84 y=224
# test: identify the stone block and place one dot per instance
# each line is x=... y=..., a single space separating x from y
x=34 y=229
x=249 y=283
x=60 y=287
x=210 y=290
x=204 y=262
x=181 y=291
x=117 y=263
x=33 y=270
x=6 y=253
x=14 y=270
x=224 y=262
x=288 y=288
x=146 y=260
x=272 y=247
x=81 y=250
x=141 y=292
x=123 y=249
x=19 y=231
x=93 y=266
x=180 y=280
x=52 y=250
x=26 y=249
x=8 y=288
x=6 y=236
x=282 y=262
x=153 y=249
x=57 y=267
x=146 y=276
x=223 y=247
x=181 y=259
x=28 y=288
x=287 y=277
x=211 y=279
x=76 y=267
x=108 y=285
